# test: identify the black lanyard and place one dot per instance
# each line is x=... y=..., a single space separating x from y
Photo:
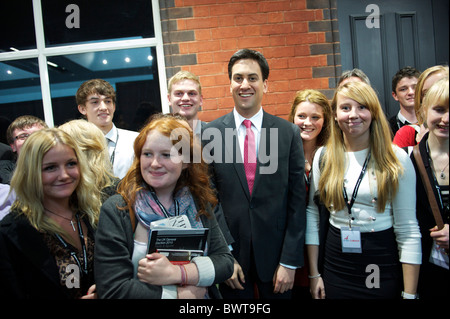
x=113 y=155
x=161 y=206
x=436 y=184
x=84 y=269
x=355 y=191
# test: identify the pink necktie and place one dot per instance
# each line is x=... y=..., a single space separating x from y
x=249 y=155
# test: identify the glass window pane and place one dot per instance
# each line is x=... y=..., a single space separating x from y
x=132 y=72
x=69 y=22
x=17 y=25
x=20 y=91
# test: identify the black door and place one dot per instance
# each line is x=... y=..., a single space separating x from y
x=382 y=36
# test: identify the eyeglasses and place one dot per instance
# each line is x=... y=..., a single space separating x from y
x=21 y=137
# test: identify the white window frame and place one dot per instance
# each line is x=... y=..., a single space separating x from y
x=41 y=53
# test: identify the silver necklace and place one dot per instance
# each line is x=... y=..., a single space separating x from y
x=70 y=220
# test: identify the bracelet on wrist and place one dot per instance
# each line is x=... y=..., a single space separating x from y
x=183 y=276
x=315 y=276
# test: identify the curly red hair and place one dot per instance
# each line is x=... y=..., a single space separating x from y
x=195 y=176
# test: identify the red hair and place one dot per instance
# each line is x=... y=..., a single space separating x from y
x=195 y=176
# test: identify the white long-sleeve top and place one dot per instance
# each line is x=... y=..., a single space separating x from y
x=399 y=213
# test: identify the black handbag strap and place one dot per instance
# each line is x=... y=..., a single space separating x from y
x=428 y=188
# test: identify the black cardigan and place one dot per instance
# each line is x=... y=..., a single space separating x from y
x=114 y=245
x=27 y=269
x=433 y=280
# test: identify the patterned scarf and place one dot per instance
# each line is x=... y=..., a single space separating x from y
x=147 y=209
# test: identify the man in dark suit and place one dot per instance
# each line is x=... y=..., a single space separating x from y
x=267 y=219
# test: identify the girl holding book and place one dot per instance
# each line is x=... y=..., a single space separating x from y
x=164 y=181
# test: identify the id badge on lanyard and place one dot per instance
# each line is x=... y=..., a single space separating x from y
x=351 y=240
x=351 y=236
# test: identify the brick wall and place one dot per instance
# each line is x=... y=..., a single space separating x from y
x=299 y=39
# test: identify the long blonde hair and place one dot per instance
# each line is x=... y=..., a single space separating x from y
x=92 y=142
x=436 y=95
x=419 y=94
x=383 y=159
x=27 y=182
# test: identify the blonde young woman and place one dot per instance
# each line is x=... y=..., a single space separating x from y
x=311 y=112
x=366 y=183
x=47 y=240
x=433 y=279
x=92 y=142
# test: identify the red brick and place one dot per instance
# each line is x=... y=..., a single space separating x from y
x=275 y=17
x=215 y=92
x=251 y=19
x=215 y=80
x=305 y=61
x=207 y=69
x=301 y=50
x=234 y=9
x=304 y=73
x=209 y=116
x=273 y=6
x=277 y=40
x=226 y=21
x=284 y=108
x=202 y=35
x=297 y=15
x=301 y=38
x=282 y=28
x=253 y=42
x=226 y=102
x=282 y=74
x=192 y=3
x=281 y=63
x=204 y=58
x=303 y=84
x=201 y=23
x=223 y=56
x=202 y=11
x=228 y=32
x=300 y=27
x=208 y=46
x=277 y=28
x=298 y=4
x=278 y=85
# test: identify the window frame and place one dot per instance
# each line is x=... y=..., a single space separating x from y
x=42 y=53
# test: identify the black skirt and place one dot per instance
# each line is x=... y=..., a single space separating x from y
x=373 y=274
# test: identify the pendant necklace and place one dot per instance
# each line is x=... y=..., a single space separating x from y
x=70 y=220
x=442 y=175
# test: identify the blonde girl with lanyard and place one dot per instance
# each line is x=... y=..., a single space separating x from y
x=433 y=149
x=47 y=240
x=162 y=182
x=366 y=183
